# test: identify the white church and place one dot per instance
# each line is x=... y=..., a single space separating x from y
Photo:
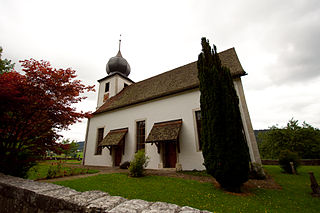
x=160 y=114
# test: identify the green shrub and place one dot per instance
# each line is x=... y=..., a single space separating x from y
x=285 y=157
x=136 y=168
x=17 y=164
x=52 y=172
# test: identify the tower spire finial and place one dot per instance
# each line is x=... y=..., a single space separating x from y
x=120 y=42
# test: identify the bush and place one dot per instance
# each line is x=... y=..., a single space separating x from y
x=136 y=168
x=125 y=165
x=54 y=170
x=285 y=157
x=18 y=164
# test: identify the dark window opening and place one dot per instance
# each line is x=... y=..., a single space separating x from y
x=99 y=139
x=198 y=123
x=141 y=135
x=106 y=89
x=125 y=85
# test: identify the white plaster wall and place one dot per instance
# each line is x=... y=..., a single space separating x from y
x=116 y=84
x=112 y=89
x=120 y=83
x=170 y=108
x=246 y=121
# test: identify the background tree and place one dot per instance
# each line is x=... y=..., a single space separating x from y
x=5 y=64
x=34 y=106
x=69 y=148
x=224 y=149
x=301 y=139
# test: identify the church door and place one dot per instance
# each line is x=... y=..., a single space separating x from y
x=170 y=155
x=117 y=155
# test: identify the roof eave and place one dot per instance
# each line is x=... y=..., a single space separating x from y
x=116 y=73
x=147 y=99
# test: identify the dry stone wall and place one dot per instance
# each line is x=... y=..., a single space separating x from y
x=21 y=195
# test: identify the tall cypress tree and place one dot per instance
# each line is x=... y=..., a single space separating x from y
x=224 y=147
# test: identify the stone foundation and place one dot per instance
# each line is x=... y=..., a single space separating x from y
x=21 y=195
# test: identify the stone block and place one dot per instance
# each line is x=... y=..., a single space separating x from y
x=162 y=207
x=84 y=198
x=60 y=192
x=54 y=200
x=187 y=209
x=104 y=204
x=131 y=206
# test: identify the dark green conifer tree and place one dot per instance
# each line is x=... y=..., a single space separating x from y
x=224 y=147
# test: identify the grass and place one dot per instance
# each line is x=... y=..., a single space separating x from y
x=202 y=173
x=78 y=154
x=40 y=171
x=294 y=197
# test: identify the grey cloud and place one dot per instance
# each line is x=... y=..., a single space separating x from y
x=290 y=31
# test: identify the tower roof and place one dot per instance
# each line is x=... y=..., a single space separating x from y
x=118 y=64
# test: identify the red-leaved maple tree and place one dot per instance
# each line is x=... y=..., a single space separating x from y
x=34 y=106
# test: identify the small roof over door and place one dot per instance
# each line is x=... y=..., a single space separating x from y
x=114 y=137
x=165 y=131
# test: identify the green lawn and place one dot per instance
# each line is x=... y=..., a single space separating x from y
x=294 y=197
x=40 y=171
x=78 y=154
x=196 y=173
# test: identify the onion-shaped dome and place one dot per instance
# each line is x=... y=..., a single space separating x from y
x=119 y=65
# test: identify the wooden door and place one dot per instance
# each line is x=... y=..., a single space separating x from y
x=117 y=155
x=170 y=155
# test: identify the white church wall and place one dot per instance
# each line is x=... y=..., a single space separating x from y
x=169 y=108
x=247 y=125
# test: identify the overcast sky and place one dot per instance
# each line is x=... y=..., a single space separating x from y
x=277 y=42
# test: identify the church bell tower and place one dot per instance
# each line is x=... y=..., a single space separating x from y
x=118 y=70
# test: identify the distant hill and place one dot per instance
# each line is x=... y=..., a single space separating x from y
x=81 y=145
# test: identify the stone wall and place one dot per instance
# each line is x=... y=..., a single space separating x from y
x=21 y=195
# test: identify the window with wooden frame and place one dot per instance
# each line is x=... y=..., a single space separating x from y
x=198 y=123
x=99 y=139
x=141 y=128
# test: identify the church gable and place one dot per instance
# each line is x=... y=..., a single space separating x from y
x=168 y=83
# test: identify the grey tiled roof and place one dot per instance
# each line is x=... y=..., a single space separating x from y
x=114 y=137
x=168 y=83
x=164 y=131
